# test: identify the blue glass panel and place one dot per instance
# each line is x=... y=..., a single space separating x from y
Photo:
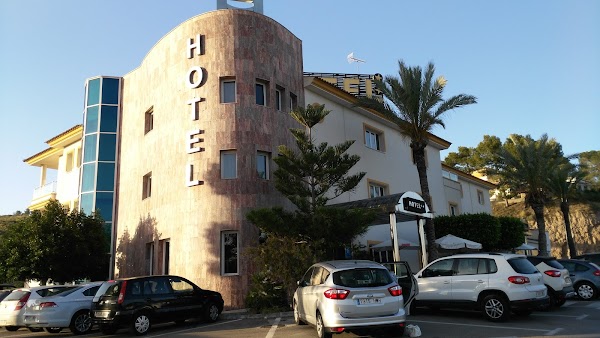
x=87 y=203
x=93 y=96
x=89 y=148
x=106 y=177
x=110 y=91
x=104 y=204
x=108 y=119
x=91 y=120
x=88 y=177
x=107 y=147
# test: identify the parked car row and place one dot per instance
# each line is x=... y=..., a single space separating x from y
x=356 y=296
x=136 y=303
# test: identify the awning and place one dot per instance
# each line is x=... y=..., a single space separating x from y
x=408 y=206
x=452 y=242
x=387 y=244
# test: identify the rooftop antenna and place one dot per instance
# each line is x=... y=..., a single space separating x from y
x=351 y=59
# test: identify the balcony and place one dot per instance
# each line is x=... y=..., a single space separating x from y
x=42 y=195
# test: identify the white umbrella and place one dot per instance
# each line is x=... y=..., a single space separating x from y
x=387 y=244
x=454 y=242
x=525 y=246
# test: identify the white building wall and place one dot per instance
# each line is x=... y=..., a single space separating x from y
x=67 y=176
x=470 y=201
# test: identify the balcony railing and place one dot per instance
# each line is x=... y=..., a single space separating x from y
x=45 y=190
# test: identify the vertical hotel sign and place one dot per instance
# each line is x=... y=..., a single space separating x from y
x=194 y=79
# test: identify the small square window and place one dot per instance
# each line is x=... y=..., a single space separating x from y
x=453 y=209
x=262 y=164
x=228 y=91
x=278 y=99
x=293 y=101
x=229 y=252
x=377 y=189
x=228 y=164
x=149 y=120
x=480 y=197
x=147 y=186
x=261 y=93
x=374 y=138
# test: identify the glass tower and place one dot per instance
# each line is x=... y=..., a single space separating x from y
x=100 y=137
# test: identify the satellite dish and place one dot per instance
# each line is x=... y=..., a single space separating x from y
x=351 y=58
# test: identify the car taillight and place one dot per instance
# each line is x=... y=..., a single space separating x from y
x=596 y=273
x=395 y=290
x=518 y=279
x=22 y=302
x=336 y=293
x=48 y=304
x=337 y=329
x=552 y=273
x=122 y=293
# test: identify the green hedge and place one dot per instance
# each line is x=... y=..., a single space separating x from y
x=482 y=228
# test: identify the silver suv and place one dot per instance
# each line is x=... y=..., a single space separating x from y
x=351 y=296
x=494 y=283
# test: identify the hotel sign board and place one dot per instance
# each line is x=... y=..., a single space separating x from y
x=412 y=203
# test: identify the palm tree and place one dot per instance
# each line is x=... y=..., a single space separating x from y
x=414 y=102
x=524 y=164
x=562 y=182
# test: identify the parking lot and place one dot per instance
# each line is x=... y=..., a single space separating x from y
x=574 y=319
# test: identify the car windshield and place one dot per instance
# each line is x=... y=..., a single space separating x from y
x=16 y=295
x=69 y=291
x=108 y=289
x=362 y=278
x=555 y=264
x=53 y=291
x=522 y=265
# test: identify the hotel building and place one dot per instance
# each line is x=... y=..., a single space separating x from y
x=176 y=152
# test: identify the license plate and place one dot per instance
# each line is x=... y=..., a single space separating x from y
x=101 y=314
x=540 y=293
x=365 y=301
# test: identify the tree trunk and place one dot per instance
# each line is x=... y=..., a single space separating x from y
x=419 y=156
x=564 y=208
x=538 y=209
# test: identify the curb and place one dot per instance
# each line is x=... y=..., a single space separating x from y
x=243 y=314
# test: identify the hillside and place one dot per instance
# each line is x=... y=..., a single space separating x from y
x=585 y=224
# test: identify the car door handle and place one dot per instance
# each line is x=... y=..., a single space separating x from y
x=446 y=282
x=480 y=281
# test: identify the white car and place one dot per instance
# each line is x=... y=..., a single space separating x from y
x=353 y=296
x=13 y=306
x=494 y=283
x=556 y=278
x=67 y=309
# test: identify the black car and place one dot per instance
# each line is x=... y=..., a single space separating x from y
x=139 y=302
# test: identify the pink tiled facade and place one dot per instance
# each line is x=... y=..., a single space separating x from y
x=236 y=44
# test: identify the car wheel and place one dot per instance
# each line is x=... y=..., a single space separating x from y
x=11 y=328
x=35 y=329
x=140 y=325
x=321 y=332
x=81 y=323
x=523 y=313
x=211 y=313
x=297 y=319
x=108 y=329
x=585 y=291
x=53 y=329
x=495 y=308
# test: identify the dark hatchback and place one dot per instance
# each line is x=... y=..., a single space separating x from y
x=140 y=302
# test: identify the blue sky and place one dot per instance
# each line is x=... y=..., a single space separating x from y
x=533 y=65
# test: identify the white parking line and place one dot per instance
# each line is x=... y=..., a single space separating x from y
x=553 y=332
x=552 y=315
x=273 y=328
x=195 y=328
x=594 y=305
x=476 y=325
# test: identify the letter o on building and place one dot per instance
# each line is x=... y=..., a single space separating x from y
x=190 y=78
